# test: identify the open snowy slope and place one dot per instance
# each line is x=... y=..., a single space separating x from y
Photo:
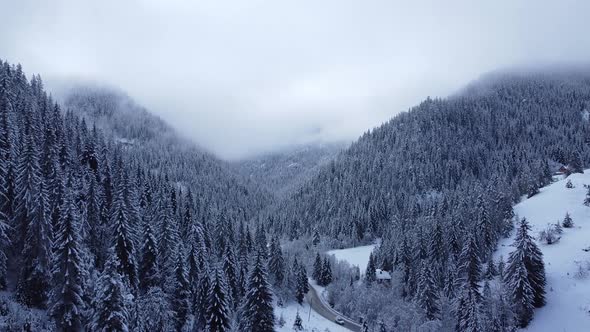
x=311 y=320
x=568 y=294
x=358 y=256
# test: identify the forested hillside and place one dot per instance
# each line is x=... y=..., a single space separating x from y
x=436 y=184
x=216 y=185
x=120 y=229
x=283 y=172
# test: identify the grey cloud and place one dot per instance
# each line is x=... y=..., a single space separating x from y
x=245 y=77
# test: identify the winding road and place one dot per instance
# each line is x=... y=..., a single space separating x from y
x=324 y=309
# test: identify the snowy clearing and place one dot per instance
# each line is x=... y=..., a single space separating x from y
x=358 y=256
x=568 y=296
x=311 y=322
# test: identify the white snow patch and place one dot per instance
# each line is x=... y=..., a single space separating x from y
x=568 y=297
x=312 y=321
x=356 y=256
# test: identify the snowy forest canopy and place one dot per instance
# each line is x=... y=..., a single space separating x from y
x=111 y=222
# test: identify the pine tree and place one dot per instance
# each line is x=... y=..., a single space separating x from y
x=67 y=295
x=5 y=179
x=298 y=323
x=201 y=301
x=326 y=273
x=427 y=296
x=181 y=298
x=302 y=286
x=231 y=276
x=111 y=313
x=257 y=310
x=316 y=237
x=276 y=263
x=491 y=271
x=525 y=275
x=371 y=273
x=123 y=245
x=149 y=270
x=567 y=221
x=317 y=268
x=35 y=273
x=469 y=303
x=218 y=316
x=154 y=313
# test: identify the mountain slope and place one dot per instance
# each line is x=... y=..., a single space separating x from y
x=215 y=185
x=567 y=262
x=283 y=172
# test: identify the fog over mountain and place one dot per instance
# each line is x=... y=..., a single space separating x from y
x=249 y=77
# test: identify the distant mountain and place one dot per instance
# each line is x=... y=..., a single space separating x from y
x=284 y=171
x=214 y=183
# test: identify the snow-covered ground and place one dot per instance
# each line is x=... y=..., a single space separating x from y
x=358 y=256
x=568 y=296
x=312 y=321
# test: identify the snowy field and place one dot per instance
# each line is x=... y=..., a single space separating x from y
x=358 y=256
x=311 y=323
x=568 y=296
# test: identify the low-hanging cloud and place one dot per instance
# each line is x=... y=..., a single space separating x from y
x=245 y=77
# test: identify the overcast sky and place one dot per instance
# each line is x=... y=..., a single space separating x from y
x=248 y=76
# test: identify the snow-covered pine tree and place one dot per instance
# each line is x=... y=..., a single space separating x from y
x=257 y=313
x=427 y=297
x=67 y=304
x=5 y=166
x=181 y=298
x=111 y=313
x=276 y=264
x=567 y=221
x=123 y=238
x=317 y=268
x=587 y=199
x=230 y=270
x=315 y=240
x=154 y=312
x=201 y=300
x=298 y=323
x=301 y=284
x=469 y=302
x=370 y=273
x=525 y=275
x=520 y=291
x=149 y=270
x=218 y=310
x=491 y=270
x=326 y=272
x=168 y=242
x=35 y=273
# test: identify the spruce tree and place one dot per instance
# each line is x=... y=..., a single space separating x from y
x=67 y=304
x=567 y=221
x=317 y=268
x=469 y=302
x=123 y=238
x=231 y=276
x=35 y=273
x=218 y=315
x=181 y=297
x=257 y=313
x=111 y=313
x=201 y=301
x=149 y=270
x=276 y=262
x=298 y=323
x=371 y=273
x=427 y=296
x=326 y=273
x=525 y=275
